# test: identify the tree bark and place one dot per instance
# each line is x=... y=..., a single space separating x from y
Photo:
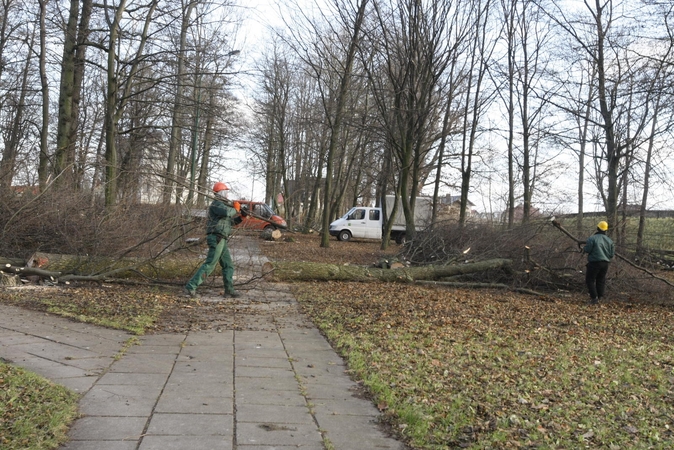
x=307 y=271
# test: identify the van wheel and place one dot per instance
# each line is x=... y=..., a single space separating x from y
x=344 y=235
x=401 y=239
x=269 y=228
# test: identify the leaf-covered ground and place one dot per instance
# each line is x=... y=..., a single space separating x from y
x=450 y=368
x=489 y=369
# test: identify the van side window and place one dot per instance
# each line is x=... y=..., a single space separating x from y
x=374 y=214
x=358 y=214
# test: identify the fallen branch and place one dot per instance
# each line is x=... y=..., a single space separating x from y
x=643 y=269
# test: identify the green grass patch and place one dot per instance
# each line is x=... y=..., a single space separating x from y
x=482 y=369
x=133 y=309
x=34 y=413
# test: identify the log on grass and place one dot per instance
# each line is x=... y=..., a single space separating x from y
x=308 y=271
x=76 y=264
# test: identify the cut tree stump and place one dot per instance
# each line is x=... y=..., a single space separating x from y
x=271 y=235
x=308 y=271
x=8 y=279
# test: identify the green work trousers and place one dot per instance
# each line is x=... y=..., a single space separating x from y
x=217 y=253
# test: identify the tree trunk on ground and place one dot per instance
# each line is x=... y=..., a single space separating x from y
x=307 y=271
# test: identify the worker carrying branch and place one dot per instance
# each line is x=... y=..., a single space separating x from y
x=600 y=250
x=222 y=216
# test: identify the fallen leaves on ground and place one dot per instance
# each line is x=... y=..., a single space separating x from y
x=489 y=369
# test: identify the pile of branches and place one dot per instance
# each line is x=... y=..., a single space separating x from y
x=544 y=258
x=75 y=223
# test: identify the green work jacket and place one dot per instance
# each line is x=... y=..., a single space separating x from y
x=599 y=247
x=220 y=219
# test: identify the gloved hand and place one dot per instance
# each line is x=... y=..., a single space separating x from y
x=237 y=206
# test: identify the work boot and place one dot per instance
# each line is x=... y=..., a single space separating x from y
x=594 y=301
x=190 y=293
x=233 y=293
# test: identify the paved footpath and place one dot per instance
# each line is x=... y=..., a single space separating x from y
x=277 y=384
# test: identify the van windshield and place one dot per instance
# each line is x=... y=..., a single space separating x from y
x=348 y=213
x=356 y=214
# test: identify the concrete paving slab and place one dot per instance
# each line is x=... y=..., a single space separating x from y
x=209 y=353
x=218 y=375
x=118 y=406
x=270 y=434
x=312 y=368
x=12 y=338
x=260 y=352
x=258 y=339
x=191 y=425
x=119 y=400
x=96 y=428
x=55 y=351
x=136 y=379
x=162 y=339
x=76 y=384
x=258 y=397
x=265 y=372
x=344 y=407
x=50 y=369
x=266 y=384
x=99 y=445
x=342 y=391
x=142 y=349
x=273 y=414
x=145 y=364
x=247 y=361
x=186 y=443
x=327 y=357
x=196 y=404
x=352 y=432
x=210 y=338
x=209 y=368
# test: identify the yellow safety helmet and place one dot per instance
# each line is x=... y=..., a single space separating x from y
x=603 y=225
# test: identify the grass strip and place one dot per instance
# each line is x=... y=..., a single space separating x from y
x=34 y=412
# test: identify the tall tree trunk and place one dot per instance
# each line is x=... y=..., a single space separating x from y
x=176 y=118
x=64 y=146
x=612 y=150
x=335 y=129
x=110 y=111
x=43 y=159
x=78 y=77
x=584 y=127
x=647 y=175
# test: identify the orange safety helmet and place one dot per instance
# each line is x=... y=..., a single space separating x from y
x=220 y=186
